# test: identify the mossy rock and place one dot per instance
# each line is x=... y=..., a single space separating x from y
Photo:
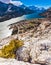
x=8 y=51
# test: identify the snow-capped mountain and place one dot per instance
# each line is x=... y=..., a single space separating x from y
x=21 y=5
x=8 y=11
x=33 y=8
x=14 y=9
x=3 y=8
x=37 y=9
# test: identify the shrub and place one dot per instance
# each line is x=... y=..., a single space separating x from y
x=8 y=51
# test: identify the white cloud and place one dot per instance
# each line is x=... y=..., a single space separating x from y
x=5 y=1
x=17 y=3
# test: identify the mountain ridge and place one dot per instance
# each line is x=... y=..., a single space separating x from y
x=8 y=11
x=47 y=13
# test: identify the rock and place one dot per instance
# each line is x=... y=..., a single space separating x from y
x=23 y=52
x=49 y=61
x=43 y=57
x=40 y=52
x=36 y=48
x=42 y=26
x=13 y=62
x=34 y=53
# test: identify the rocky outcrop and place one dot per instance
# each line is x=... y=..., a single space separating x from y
x=40 y=52
x=14 y=62
x=47 y=13
x=37 y=44
x=37 y=48
x=36 y=52
x=23 y=53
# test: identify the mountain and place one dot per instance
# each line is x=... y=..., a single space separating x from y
x=23 y=7
x=34 y=8
x=3 y=8
x=47 y=13
x=8 y=11
x=37 y=9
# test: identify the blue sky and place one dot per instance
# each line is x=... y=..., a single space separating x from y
x=39 y=3
x=45 y=3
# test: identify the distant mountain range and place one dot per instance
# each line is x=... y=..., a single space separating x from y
x=12 y=10
x=37 y=9
x=8 y=11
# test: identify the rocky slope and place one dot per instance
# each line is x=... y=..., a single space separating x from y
x=47 y=13
x=37 y=43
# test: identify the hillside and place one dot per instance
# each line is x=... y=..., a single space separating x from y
x=47 y=13
x=36 y=35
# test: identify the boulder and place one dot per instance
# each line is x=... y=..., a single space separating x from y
x=13 y=62
x=41 y=51
x=23 y=52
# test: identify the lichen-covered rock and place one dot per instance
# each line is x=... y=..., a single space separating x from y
x=14 y=62
x=36 y=48
x=40 y=52
x=43 y=57
x=23 y=52
x=34 y=53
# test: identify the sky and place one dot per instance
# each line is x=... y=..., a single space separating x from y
x=40 y=3
x=6 y=1
x=44 y=3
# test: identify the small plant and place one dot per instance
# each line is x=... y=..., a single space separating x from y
x=8 y=51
